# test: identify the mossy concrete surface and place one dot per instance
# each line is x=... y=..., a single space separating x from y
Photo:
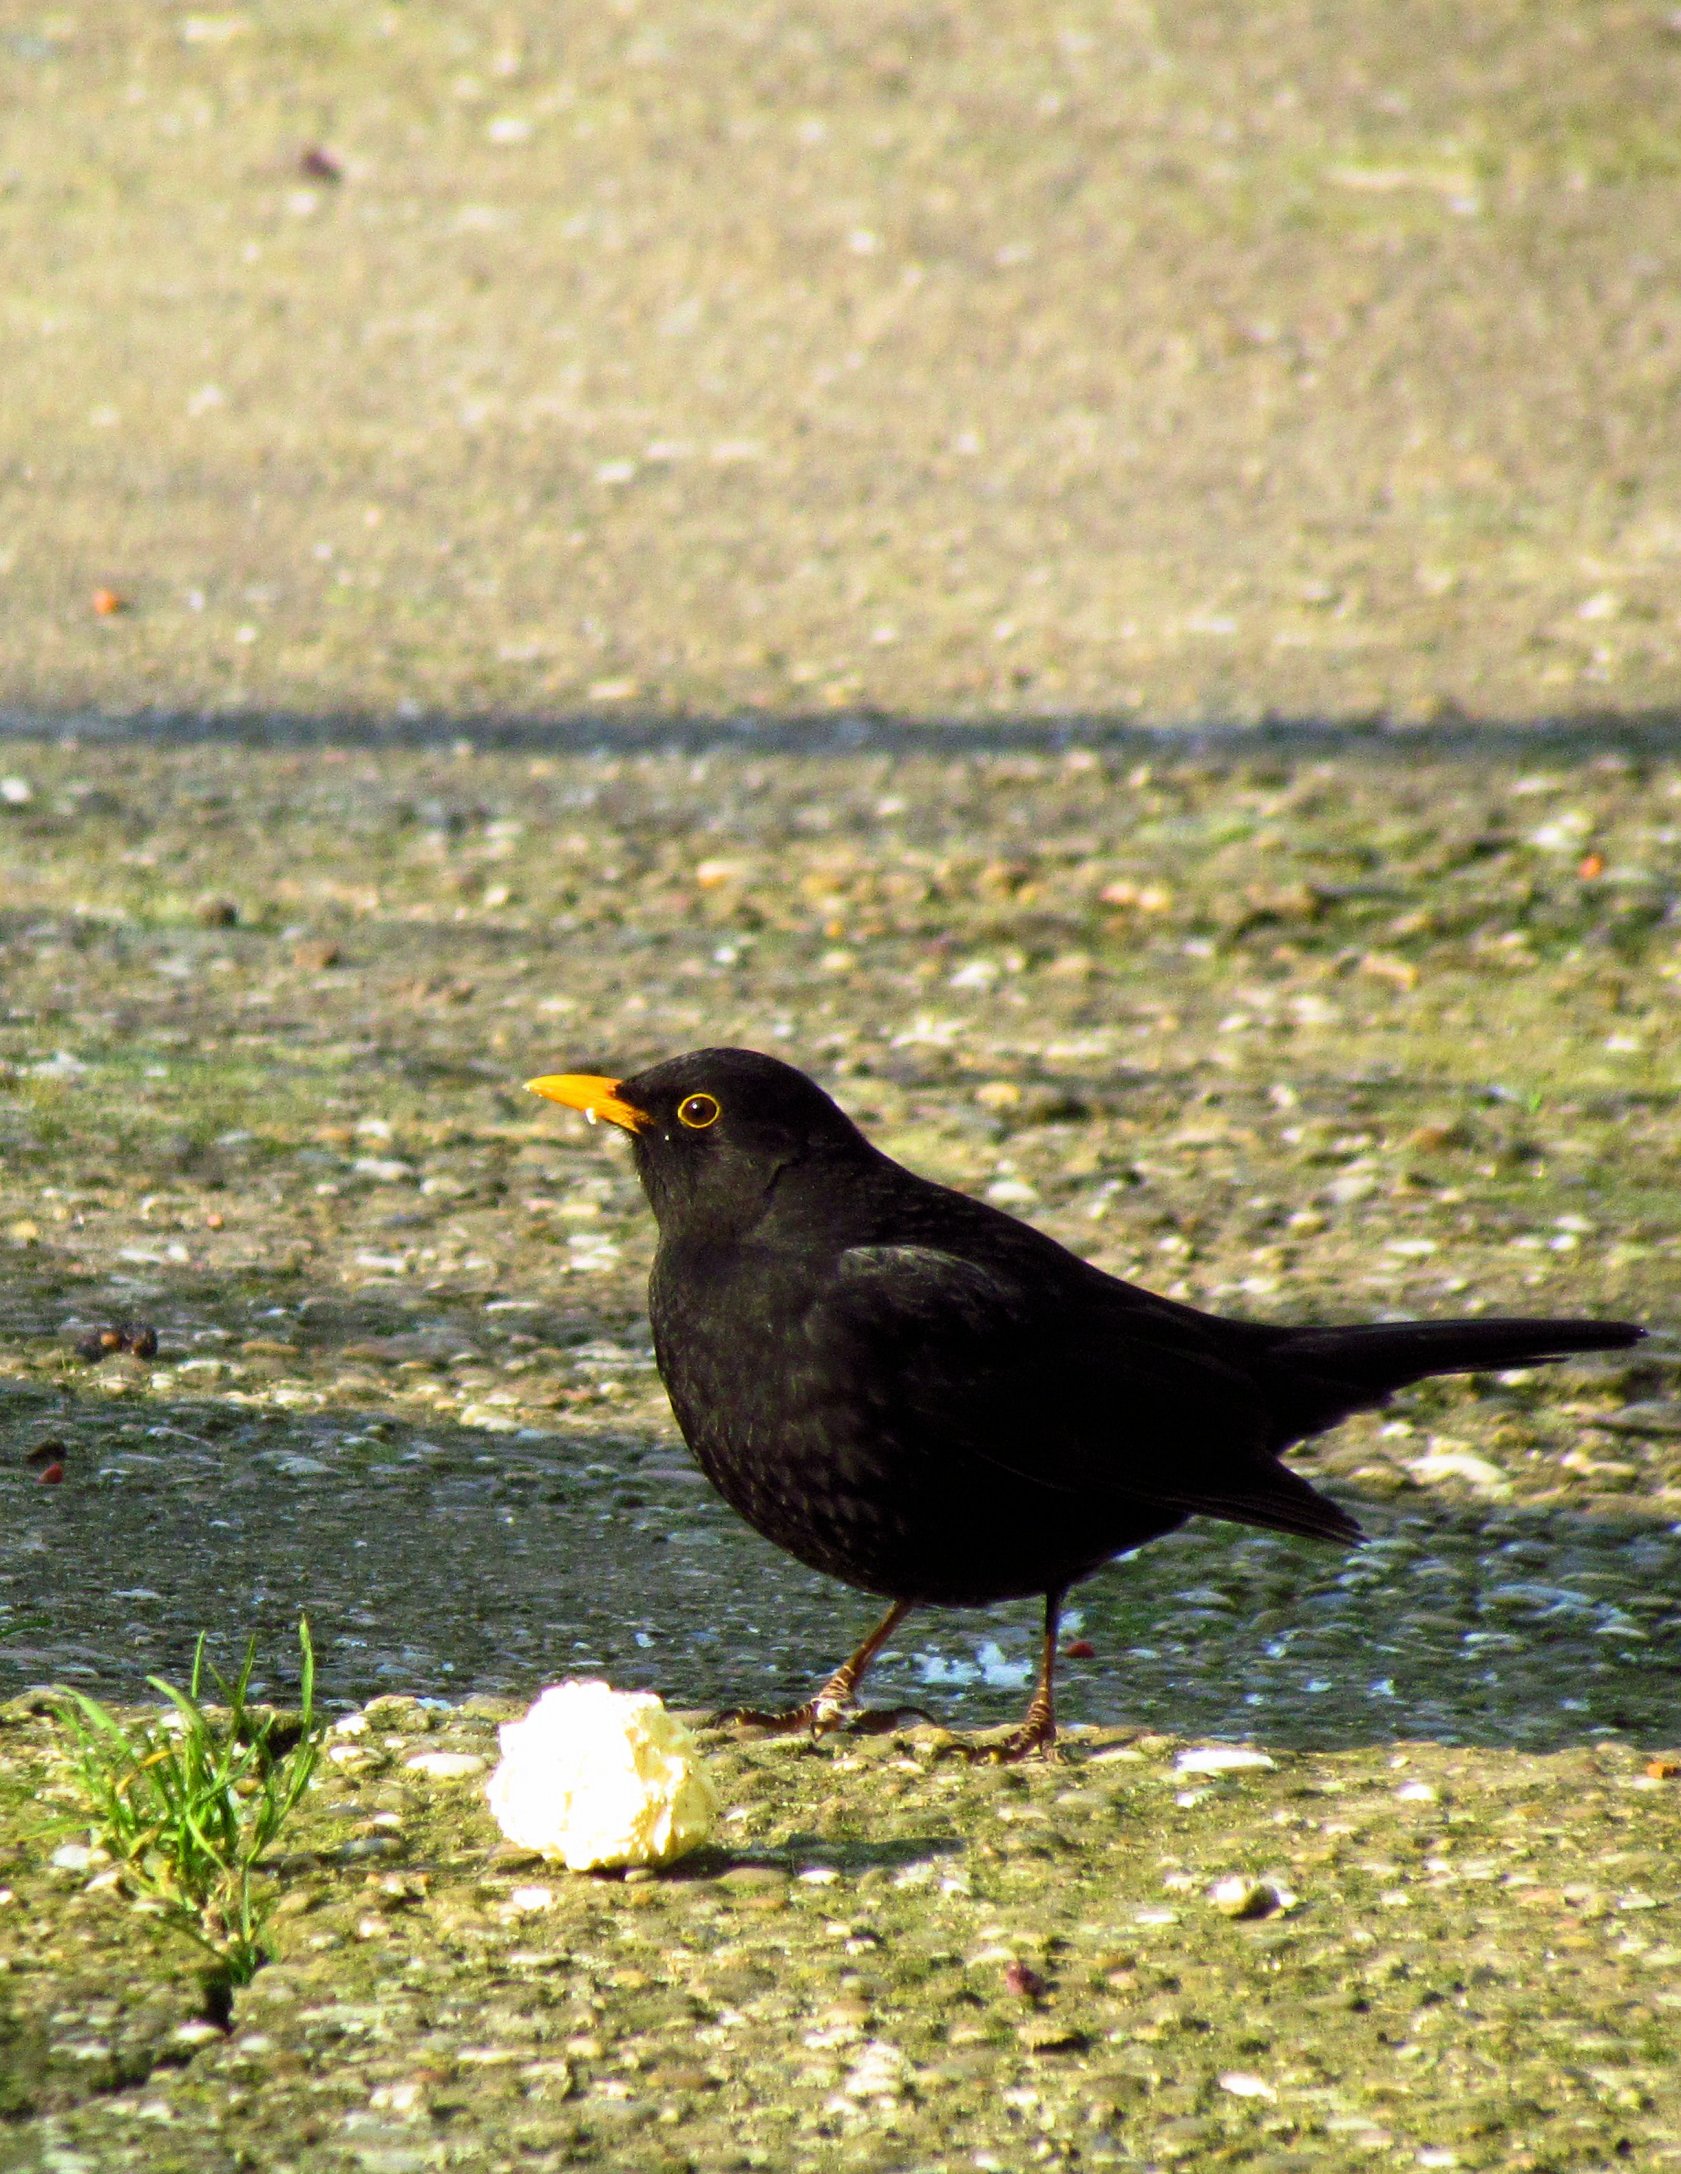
x=897 y=1960
x=1289 y=1034
x=429 y=363
x=1217 y=360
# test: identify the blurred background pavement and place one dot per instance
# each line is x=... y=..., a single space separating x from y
x=1043 y=359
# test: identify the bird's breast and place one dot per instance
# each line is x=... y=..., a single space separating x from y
x=784 y=1437
x=728 y=1335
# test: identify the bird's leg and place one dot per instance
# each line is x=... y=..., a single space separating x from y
x=1037 y=1733
x=833 y=1702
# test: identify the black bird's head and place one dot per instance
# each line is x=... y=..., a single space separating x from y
x=714 y=1130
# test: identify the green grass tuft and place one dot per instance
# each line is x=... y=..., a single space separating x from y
x=190 y=1804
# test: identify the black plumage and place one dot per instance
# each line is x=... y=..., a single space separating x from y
x=920 y=1395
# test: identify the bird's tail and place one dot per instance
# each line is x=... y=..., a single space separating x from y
x=1331 y=1372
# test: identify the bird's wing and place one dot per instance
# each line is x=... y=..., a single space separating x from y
x=1082 y=1386
x=914 y=1284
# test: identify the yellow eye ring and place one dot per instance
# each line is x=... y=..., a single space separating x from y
x=699 y=1111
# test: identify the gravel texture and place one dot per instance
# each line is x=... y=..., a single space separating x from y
x=1293 y=1035
x=537 y=538
x=1210 y=361
x=899 y=1961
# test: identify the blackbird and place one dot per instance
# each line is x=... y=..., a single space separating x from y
x=920 y=1395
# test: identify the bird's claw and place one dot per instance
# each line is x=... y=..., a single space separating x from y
x=816 y=1717
x=820 y=1716
x=1033 y=1740
x=883 y=1720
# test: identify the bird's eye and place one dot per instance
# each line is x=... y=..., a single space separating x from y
x=699 y=1111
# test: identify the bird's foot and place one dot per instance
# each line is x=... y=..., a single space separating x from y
x=1035 y=1739
x=883 y=1720
x=815 y=1718
x=835 y=1700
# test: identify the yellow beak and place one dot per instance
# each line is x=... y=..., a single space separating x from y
x=595 y=1097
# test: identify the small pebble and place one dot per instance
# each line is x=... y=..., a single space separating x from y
x=195 y=2033
x=1044 y=2035
x=446 y=1765
x=1239 y=1897
x=367 y=1845
x=514 y=1856
x=1222 y=1759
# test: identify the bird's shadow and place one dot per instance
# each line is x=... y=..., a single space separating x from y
x=586 y=1552
x=1528 y=1629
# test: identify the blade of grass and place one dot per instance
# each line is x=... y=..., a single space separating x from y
x=192 y=1804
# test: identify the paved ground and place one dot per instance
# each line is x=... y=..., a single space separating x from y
x=1288 y=1035
x=1338 y=1037
x=547 y=387
x=1168 y=363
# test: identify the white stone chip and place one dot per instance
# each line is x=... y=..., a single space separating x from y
x=1239 y=1896
x=78 y=1857
x=446 y=1765
x=1222 y=1759
x=1443 y=1463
